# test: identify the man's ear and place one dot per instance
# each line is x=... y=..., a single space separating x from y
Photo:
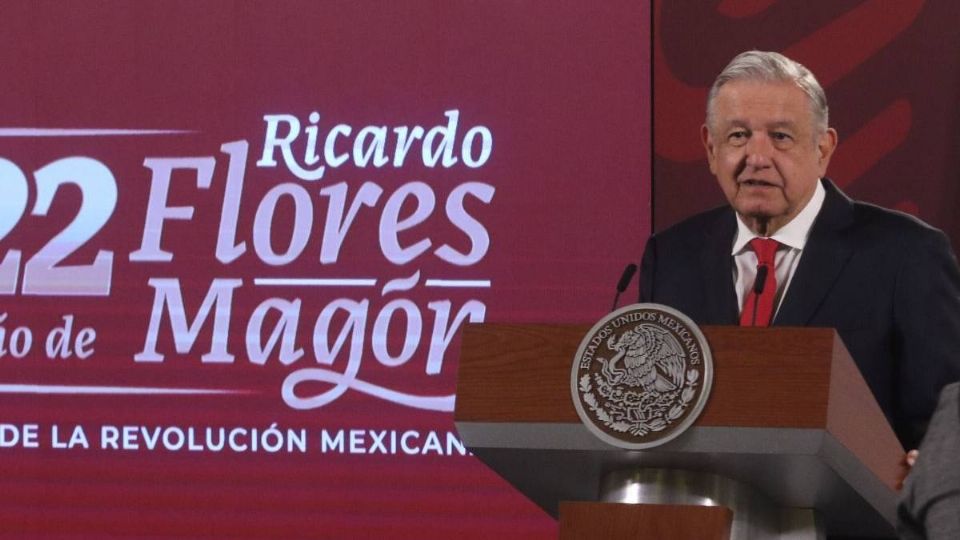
x=826 y=144
x=710 y=146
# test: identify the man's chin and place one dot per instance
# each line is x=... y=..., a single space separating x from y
x=759 y=212
x=760 y=218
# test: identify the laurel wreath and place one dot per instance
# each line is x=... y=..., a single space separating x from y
x=619 y=406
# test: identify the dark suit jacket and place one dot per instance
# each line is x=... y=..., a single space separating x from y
x=886 y=281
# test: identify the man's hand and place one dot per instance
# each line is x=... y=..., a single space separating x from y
x=909 y=460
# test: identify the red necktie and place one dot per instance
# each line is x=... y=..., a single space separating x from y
x=758 y=308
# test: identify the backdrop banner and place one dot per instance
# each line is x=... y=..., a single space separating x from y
x=238 y=241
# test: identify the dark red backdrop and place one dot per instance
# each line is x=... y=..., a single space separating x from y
x=562 y=200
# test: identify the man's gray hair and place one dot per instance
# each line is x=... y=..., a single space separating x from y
x=772 y=67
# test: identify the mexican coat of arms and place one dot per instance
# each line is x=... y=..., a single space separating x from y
x=641 y=376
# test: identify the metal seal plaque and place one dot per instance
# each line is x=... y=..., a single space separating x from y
x=641 y=376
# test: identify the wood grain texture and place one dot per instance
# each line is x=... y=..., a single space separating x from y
x=517 y=372
x=769 y=377
x=764 y=377
x=609 y=521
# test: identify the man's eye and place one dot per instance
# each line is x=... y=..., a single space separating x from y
x=737 y=137
x=781 y=136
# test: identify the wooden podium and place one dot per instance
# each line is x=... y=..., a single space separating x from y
x=790 y=424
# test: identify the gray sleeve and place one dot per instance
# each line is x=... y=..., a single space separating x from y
x=930 y=502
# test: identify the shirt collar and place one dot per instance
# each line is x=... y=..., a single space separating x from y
x=794 y=234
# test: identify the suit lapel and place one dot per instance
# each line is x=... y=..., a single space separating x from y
x=824 y=256
x=720 y=298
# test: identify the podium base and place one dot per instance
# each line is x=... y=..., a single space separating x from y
x=755 y=517
x=610 y=521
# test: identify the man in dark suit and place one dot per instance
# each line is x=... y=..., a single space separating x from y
x=792 y=250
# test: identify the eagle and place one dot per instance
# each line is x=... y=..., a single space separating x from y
x=651 y=356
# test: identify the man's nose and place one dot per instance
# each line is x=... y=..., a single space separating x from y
x=759 y=150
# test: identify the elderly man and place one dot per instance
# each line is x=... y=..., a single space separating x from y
x=792 y=250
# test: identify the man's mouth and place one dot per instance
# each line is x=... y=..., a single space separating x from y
x=756 y=183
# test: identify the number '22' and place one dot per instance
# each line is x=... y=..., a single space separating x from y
x=41 y=274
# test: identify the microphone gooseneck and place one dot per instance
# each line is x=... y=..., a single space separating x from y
x=624 y=282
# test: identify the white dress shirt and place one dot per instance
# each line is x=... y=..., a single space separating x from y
x=792 y=237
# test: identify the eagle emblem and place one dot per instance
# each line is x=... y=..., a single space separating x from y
x=641 y=375
x=651 y=359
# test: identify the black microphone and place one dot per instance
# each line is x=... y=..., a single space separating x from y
x=624 y=282
x=758 y=284
x=761 y=279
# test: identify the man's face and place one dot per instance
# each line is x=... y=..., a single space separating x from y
x=765 y=150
